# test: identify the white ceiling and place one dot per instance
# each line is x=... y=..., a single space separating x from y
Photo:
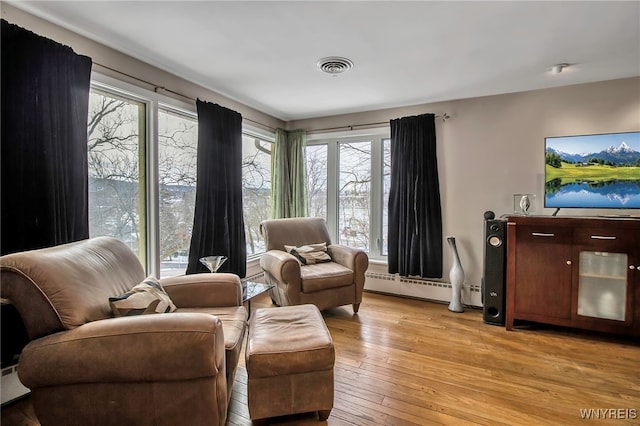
x=264 y=53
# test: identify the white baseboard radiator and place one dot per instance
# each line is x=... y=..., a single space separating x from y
x=420 y=288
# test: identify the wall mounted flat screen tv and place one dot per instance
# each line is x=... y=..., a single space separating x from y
x=593 y=171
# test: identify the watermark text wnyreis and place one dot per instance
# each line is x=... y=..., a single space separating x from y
x=608 y=413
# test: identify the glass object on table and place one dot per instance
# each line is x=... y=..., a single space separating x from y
x=213 y=263
x=252 y=289
x=524 y=204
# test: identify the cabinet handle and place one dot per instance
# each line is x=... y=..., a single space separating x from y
x=568 y=262
x=632 y=267
x=542 y=234
x=602 y=237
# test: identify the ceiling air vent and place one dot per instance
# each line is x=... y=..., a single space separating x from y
x=334 y=65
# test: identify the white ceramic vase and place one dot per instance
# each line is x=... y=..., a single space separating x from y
x=456 y=277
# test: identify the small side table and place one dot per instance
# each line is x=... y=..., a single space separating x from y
x=251 y=289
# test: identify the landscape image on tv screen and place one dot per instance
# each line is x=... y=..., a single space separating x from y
x=593 y=171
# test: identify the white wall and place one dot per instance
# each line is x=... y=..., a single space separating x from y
x=491 y=148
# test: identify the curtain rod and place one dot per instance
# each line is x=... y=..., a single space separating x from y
x=157 y=87
x=444 y=117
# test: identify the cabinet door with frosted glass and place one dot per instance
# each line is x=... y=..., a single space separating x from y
x=605 y=279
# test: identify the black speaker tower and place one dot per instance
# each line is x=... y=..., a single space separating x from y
x=494 y=274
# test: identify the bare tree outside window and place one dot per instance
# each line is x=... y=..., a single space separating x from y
x=178 y=142
x=350 y=190
x=256 y=189
x=354 y=194
x=316 y=156
x=386 y=183
x=116 y=156
x=177 y=161
x=115 y=129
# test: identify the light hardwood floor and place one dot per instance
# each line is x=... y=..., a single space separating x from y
x=408 y=362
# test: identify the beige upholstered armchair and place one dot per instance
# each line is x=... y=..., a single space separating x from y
x=326 y=284
x=85 y=367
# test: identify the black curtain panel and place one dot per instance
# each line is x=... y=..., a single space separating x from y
x=45 y=103
x=415 y=218
x=218 y=224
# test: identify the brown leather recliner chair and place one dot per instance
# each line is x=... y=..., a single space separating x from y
x=85 y=367
x=326 y=285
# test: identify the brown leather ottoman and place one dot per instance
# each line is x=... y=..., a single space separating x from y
x=289 y=359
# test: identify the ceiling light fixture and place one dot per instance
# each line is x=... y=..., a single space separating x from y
x=334 y=65
x=557 y=69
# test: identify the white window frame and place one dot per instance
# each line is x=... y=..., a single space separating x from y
x=153 y=102
x=332 y=140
